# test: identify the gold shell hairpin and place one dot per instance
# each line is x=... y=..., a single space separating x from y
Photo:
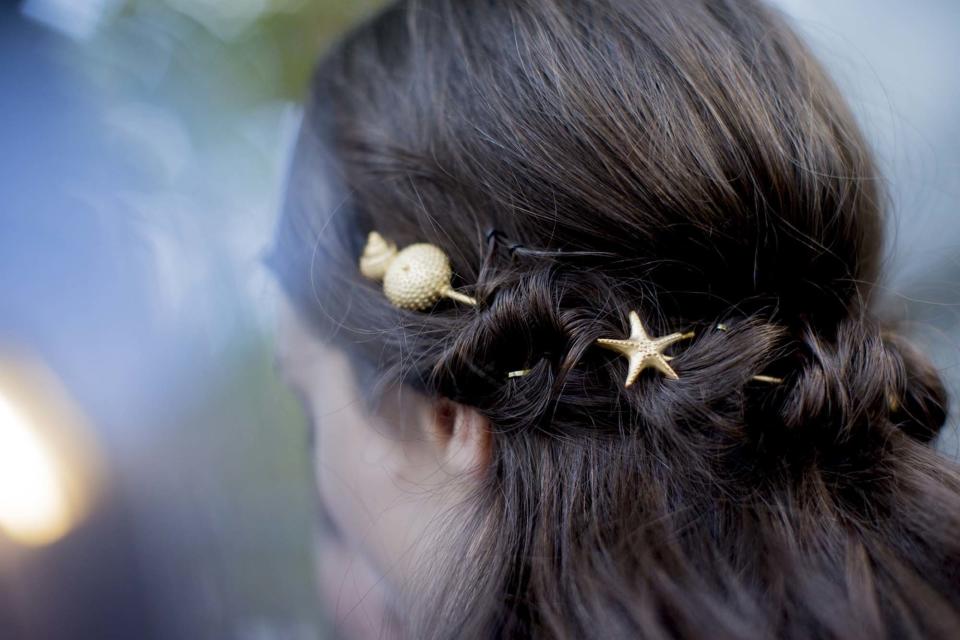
x=413 y=278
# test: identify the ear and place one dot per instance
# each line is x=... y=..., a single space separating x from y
x=463 y=436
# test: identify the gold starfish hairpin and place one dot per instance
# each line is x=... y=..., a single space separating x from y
x=643 y=351
x=413 y=278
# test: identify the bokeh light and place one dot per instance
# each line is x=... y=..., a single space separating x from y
x=33 y=502
x=49 y=460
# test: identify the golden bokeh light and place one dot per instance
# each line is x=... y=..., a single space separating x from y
x=47 y=469
x=34 y=507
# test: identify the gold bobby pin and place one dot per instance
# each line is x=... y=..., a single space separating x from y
x=758 y=378
x=643 y=351
x=414 y=278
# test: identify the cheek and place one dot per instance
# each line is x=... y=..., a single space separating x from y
x=353 y=472
x=374 y=486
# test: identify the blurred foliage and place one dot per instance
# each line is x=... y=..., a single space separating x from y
x=210 y=56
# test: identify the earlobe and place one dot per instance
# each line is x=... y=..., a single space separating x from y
x=464 y=437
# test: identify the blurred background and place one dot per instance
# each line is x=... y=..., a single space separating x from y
x=154 y=473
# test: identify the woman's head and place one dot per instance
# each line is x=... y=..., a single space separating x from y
x=687 y=159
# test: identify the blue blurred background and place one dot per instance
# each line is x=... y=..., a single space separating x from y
x=154 y=474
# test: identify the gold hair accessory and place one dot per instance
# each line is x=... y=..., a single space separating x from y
x=413 y=278
x=768 y=379
x=758 y=378
x=644 y=351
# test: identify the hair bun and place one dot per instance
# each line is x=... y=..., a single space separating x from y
x=850 y=381
x=920 y=402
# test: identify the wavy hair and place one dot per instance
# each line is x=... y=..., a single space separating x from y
x=691 y=160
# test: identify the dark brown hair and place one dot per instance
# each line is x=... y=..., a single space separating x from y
x=690 y=160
